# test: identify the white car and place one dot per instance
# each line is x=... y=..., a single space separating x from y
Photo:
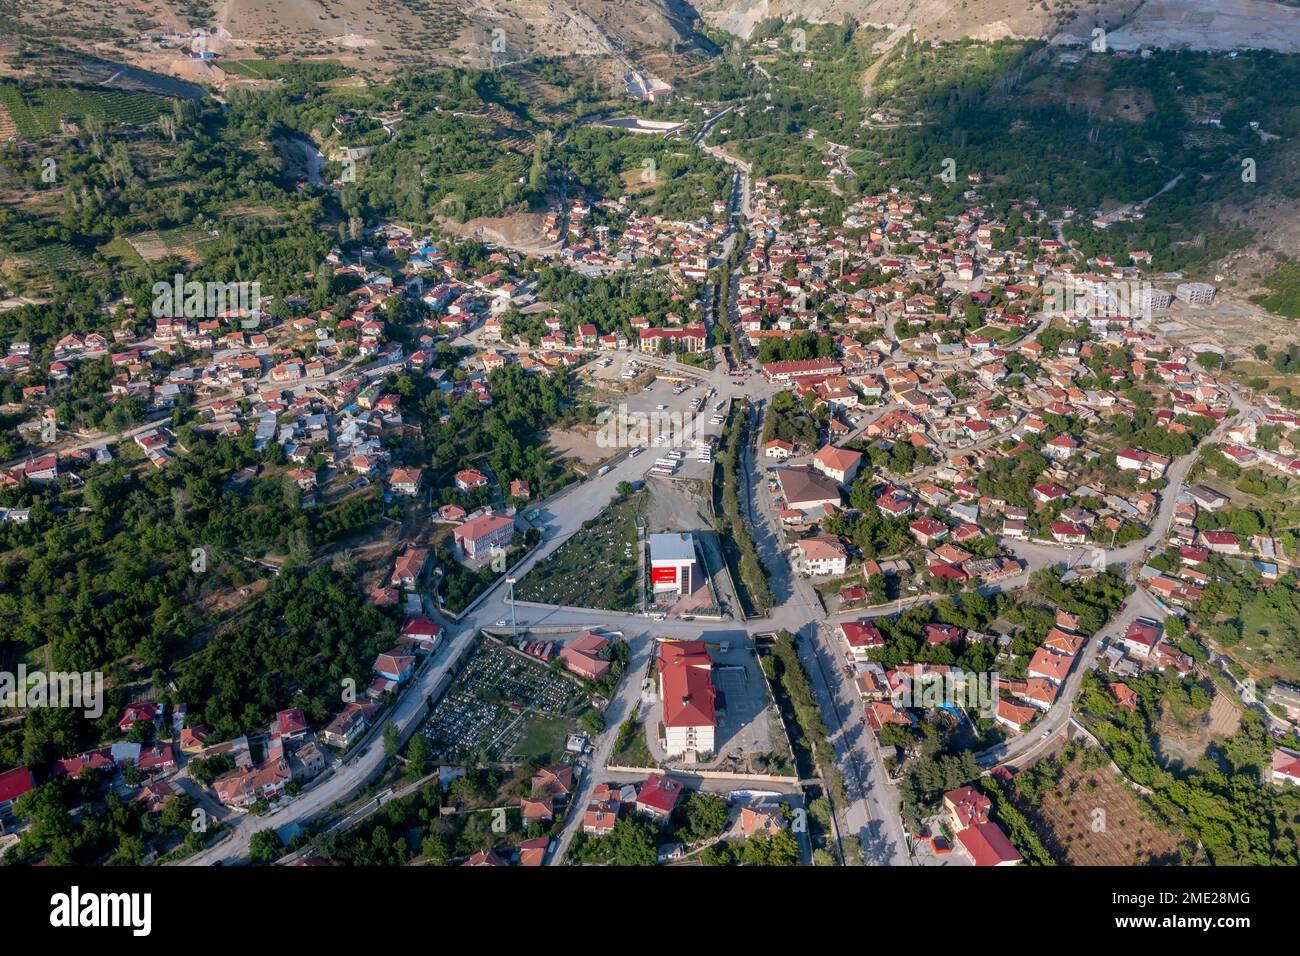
x=635 y=451
x=661 y=406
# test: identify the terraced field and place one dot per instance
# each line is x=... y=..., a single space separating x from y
x=35 y=112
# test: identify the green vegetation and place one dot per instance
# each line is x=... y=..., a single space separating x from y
x=795 y=699
x=630 y=747
x=1225 y=803
x=738 y=547
x=106 y=830
x=40 y=111
x=1284 y=299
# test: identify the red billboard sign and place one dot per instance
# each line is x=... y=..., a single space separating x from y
x=664 y=575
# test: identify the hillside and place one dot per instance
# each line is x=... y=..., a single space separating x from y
x=377 y=37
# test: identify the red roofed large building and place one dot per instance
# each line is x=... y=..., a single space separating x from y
x=480 y=535
x=689 y=699
x=800 y=368
x=840 y=464
x=982 y=839
x=693 y=338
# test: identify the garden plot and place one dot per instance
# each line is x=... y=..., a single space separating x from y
x=504 y=707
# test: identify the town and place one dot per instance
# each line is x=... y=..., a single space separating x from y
x=724 y=518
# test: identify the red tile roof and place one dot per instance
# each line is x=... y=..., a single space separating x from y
x=686 y=685
x=14 y=783
x=988 y=845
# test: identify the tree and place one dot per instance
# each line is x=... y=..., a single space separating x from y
x=434 y=850
x=417 y=757
x=705 y=815
x=633 y=841
x=392 y=739
x=265 y=847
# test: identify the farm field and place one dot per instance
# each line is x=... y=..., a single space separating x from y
x=183 y=241
x=318 y=70
x=37 y=111
x=1092 y=818
x=53 y=258
x=504 y=708
x=608 y=542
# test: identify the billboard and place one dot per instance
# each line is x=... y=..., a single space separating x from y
x=664 y=575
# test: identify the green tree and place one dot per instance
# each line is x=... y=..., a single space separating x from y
x=265 y=847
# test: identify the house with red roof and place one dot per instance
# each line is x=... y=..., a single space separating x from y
x=13 y=784
x=942 y=633
x=1141 y=637
x=658 y=796
x=599 y=818
x=582 y=656
x=533 y=852
x=1067 y=532
x=469 y=478
x=148 y=710
x=841 y=464
x=1286 y=766
x=485 y=858
x=158 y=759
x=928 y=532
x=1221 y=542
x=419 y=633
x=536 y=810
x=96 y=760
x=861 y=638
x=395 y=665
x=1124 y=695
x=983 y=840
x=409 y=567
x=553 y=781
x=405 y=481
x=1013 y=715
x=1049 y=492
x=290 y=724
x=1050 y=666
